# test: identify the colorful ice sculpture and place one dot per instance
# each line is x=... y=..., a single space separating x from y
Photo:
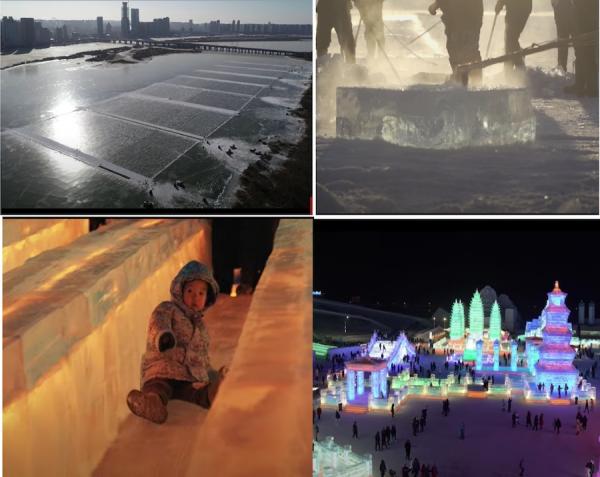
x=457 y=321
x=476 y=316
x=555 y=363
x=495 y=332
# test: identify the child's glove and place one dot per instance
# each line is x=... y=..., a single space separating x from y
x=166 y=342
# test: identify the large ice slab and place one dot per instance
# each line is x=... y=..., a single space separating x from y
x=198 y=81
x=175 y=117
x=189 y=94
x=266 y=388
x=436 y=117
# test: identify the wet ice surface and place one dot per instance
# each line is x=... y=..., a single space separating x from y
x=140 y=130
x=557 y=173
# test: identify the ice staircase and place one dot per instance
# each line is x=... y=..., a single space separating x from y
x=74 y=323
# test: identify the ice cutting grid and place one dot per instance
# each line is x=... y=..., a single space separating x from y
x=138 y=134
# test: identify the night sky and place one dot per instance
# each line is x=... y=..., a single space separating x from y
x=392 y=261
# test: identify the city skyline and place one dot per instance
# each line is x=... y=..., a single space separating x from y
x=200 y=11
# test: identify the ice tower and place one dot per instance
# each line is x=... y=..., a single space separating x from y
x=457 y=321
x=495 y=332
x=555 y=364
x=476 y=316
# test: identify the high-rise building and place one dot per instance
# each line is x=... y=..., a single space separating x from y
x=191 y=26
x=108 y=29
x=135 y=21
x=161 y=27
x=10 y=32
x=238 y=27
x=124 y=20
x=100 y=26
x=27 y=32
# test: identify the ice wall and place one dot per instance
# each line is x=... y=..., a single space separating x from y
x=259 y=424
x=74 y=325
x=26 y=238
x=436 y=117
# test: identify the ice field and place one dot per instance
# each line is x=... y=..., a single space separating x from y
x=419 y=165
x=112 y=136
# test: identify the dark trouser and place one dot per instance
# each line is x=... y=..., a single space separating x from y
x=169 y=389
x=371 y=12
x=563 y=17
x=586 y=57
x=335 y=14
x=517 y=14
x=463 y=19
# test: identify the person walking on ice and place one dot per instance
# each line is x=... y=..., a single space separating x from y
x=176 y=364
x=354 y=430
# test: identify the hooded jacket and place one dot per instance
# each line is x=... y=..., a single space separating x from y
x=188 y=360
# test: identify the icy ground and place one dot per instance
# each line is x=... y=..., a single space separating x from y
x=20 y=56
x=491 y=448
x=119 y=138
x=558 y=173
x=167 y=449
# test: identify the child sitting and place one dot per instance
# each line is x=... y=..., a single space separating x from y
x=176 y=363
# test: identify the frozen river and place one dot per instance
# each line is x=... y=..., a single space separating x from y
x=557 y=173
x=78 y=134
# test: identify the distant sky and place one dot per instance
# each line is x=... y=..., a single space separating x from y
x=247 y=11
x=438 y=261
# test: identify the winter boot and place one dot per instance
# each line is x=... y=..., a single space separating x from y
x=147 y=405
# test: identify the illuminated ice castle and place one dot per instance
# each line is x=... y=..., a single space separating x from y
x=463 y=340
x=555 y=364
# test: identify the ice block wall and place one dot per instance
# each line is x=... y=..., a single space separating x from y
x=260 y=422
x=25 y=238
x=74 y=322
x=436 y=117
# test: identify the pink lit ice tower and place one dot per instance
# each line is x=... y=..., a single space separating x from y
x=555 y=365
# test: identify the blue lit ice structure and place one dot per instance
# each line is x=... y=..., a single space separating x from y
x=496 y=355
x=333 y=460
x=479 y=355
x=555 y=364
x=356 y=389
x=514 y=355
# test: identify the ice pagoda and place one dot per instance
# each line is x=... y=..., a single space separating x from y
x=555 y=364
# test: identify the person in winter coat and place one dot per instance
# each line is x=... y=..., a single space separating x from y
x=176 y=363
x=382 y=467
x=462 y=20
x=371 y=13
x=517 y=14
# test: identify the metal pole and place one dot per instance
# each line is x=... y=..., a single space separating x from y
x=410 y=50
x=487 y=51
x=357 y=31
x=425 y=32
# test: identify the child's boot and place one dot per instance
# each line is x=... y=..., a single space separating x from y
x=147 y=405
